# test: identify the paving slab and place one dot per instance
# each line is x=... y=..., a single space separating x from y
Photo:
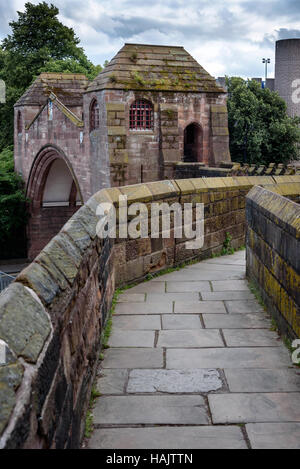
x=238 y=258
x=218 y=272
x=206 y=266
x=112 y=381
x=132 y=297
x=229 y=285
x=252 y=408
x=190 y=339
x=174 y=381
x=192 y=353
x=144 y=308
x=142 y=339
x=206 y=437
x=200 y=307
x=151 y=410
x=251 y=338
x=181 y=321
x=149 y=287
x=133 y=358
x=243 y=306
x=186 y=287
x=227 y=295
x=274 y=435
x=236 y=321
x=269 y=380
x=136 y=322
x=228 y=358
x=163 y=297
x=198 y=275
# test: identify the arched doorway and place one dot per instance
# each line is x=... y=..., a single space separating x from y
x=54 y=196
x=193 y=138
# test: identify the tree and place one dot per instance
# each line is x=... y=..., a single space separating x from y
x=39 y=42
x=72 y=66
x=13 y=209
x=260 y=130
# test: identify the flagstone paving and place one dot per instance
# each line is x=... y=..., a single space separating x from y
x=193 y=363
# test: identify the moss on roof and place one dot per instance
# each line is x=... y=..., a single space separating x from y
x=159 y=68
x=68 y=87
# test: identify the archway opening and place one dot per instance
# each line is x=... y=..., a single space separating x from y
x=192 y=143
x=54 y=197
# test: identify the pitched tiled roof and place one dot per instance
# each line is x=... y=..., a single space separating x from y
x=66 y=86
x=145 y=67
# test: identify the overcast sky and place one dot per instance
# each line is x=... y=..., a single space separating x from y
x=225 y=37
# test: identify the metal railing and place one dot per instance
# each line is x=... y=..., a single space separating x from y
x=5 y=280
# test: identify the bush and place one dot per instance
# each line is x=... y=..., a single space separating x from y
x=13 y=209
x=260 y=130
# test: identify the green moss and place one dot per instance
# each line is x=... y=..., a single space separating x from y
x=113 y=78
x=133 y=57
x=89 y=421
x=138 y=79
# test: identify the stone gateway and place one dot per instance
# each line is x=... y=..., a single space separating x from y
x=150 y=108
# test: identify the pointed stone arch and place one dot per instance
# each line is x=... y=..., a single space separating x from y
x=54 y=195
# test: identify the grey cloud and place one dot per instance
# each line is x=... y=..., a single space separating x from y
x=274 y=8
x=7 y=13
x=126 y=27
x=288 y=33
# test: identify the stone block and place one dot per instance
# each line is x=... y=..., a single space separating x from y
x=263 y=381
x=227 y=358
x=274 y=435
x=130 y=339
x=78 y=234
x=62 y=260
x=112 y=381
x=241 y=408
x=163 y=189
x=157 y=410
x=236 y=321
x=24 y=324
x=115 y=107
x=133 y=358
x=206 y=437
x=137 y=193
x=138 y=323
x=174 y=381
x=11 y=374
x=116 y=130
x=88 y=220
x=40 y=281
x=189 y=339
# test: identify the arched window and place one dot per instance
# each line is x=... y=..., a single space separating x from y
x=94 y=115
x=19 y=122
x=141 y=115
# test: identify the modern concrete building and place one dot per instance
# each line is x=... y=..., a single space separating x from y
x=287 y=73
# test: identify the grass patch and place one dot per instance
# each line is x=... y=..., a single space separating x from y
x=89 y=421
x=260 y=300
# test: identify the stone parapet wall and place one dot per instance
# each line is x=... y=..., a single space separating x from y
x=52 y=316
x=196 y=170
x=273 y=247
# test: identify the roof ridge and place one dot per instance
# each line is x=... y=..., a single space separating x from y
x=151 y=45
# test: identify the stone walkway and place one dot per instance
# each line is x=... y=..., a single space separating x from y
x=193 y=363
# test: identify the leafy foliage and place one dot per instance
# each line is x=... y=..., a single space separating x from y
x=260 y=130
x=39 y=42
x=13 y=209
